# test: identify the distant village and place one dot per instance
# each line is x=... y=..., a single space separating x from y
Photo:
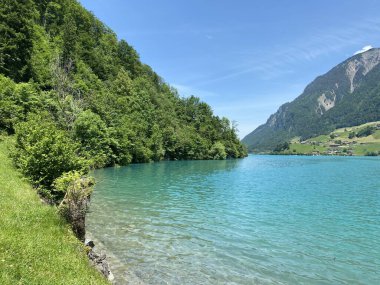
x=340 y=146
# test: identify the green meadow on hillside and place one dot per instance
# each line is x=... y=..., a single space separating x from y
x=343 y=141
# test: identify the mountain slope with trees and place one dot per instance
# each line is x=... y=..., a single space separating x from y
x=347 y=95
x=78 y=98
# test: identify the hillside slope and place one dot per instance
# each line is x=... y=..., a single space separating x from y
x=357 y=140
x=57 y=58
x=347 y=95
x=36 y=245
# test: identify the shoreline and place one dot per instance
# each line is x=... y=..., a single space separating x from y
x=36 y=245
x=309 y=154
x=119 y=275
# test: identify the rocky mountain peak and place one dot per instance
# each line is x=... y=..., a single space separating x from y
x=347 y=95
x=360 y=65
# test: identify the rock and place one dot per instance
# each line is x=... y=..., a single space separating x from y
x=90 y=244
x=99 y=261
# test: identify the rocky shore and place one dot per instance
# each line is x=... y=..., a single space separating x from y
x=99 y=260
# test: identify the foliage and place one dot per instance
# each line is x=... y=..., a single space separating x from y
x=372 y=153
x=73 y=208
x=74 y=184
x=282 y=147
x=44 y=152
x=77 y=97
x=365 y=132
x=92 y=134
x=342 y=144
x=218 y=151
x=16 y=38
x=16 y=101
x=36 y=245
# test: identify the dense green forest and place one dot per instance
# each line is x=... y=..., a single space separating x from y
x=78 y=98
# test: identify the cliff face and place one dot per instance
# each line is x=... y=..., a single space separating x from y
x=347 y=95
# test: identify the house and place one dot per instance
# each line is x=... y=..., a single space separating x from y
x=334 y=145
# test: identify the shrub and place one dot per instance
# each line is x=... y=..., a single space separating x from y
x=44 y=152
x=365 y=132
x=351 y=135
x=91 y=131
x=371 y=153
x=16 y=100
x=73 y=208
x=282 y=147
x=218 y=151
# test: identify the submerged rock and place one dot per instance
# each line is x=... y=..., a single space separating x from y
x=99 y=261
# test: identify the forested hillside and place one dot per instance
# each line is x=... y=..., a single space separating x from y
x=347 y=95
x=77 y=97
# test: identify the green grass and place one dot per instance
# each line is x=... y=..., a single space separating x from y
x=321 y=138
x=36 y=245
x=362 y=146
x=363 y=149
x=305 y=148
x=376 y=135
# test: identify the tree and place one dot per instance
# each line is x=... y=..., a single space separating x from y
x=16 y=38
x=218 y=151
x=16 y=101
x=67 y=97
x=91 y=131
x=90 y=101
x=282 y=147
x=70 y=39
x=129 y=58
x=52 y=17
x=365 y=132
x=41 y=58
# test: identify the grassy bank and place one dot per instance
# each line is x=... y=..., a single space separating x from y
x=36 y=245
x=342 y=141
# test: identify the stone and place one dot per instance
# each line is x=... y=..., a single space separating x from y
x=99 y=261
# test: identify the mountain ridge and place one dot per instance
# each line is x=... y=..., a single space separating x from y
x=347 y=95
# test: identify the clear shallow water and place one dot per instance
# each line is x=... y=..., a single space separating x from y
x=260 y=220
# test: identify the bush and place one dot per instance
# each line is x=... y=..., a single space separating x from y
x=91 y=131
x=16 y=100
x=371 y=153
x=73 y=208
x=365 y=132
x=351 y=135
x=43 y=152
x=282 y=147
x=218 y=151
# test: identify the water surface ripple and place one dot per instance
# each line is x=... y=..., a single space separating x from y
x=260 y=220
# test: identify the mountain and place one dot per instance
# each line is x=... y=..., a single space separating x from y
x=347 y=95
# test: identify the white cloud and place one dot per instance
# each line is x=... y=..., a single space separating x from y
x=269 y=64
x=364 y=49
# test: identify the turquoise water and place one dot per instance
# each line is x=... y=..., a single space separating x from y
x=260 y=220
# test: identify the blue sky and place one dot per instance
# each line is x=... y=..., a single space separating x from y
x=244 y=58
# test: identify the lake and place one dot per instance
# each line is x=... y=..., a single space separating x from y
x=258 y=220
